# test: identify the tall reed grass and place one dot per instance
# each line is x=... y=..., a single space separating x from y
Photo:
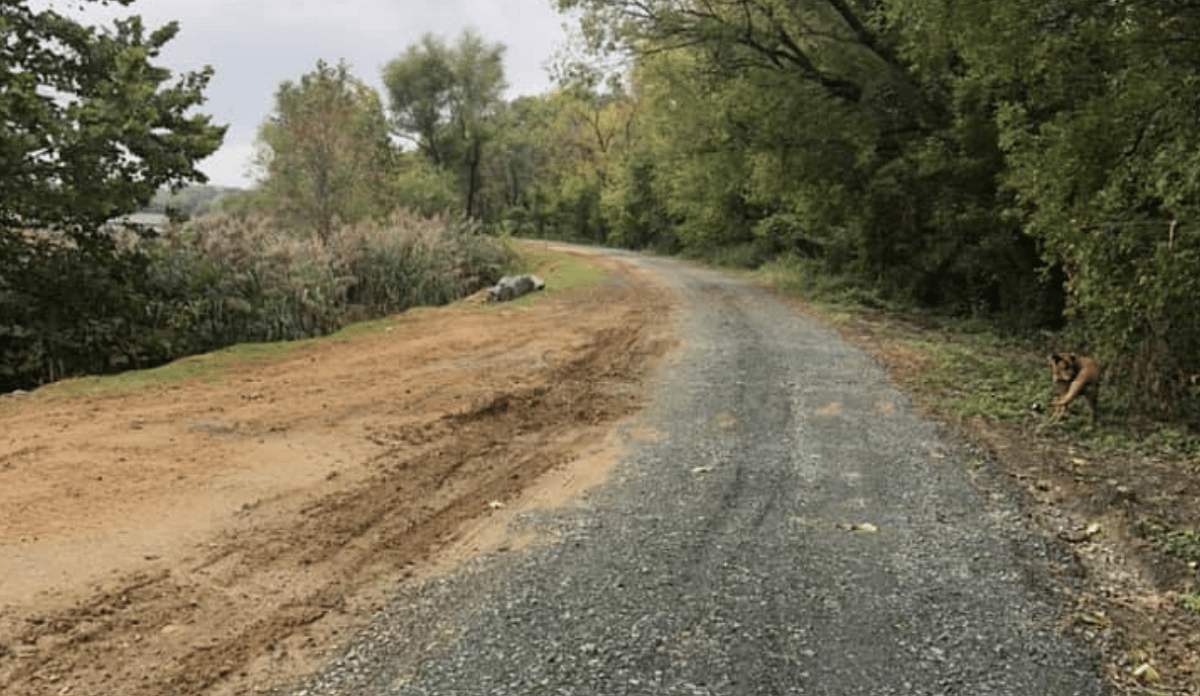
x=220 y=280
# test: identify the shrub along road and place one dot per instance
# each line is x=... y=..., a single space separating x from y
x=781 y=523
x=451 y=504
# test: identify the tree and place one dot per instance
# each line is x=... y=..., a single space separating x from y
x=92 y=129
x=1094 y=105
x=807 y=127
x=446 y=99
x=325 y=151
x=840 y=49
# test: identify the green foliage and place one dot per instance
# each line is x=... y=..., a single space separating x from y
x=562 y=272
x=222 y=280
x=633 y=207
x=798 y=128
x=1181 y=543
x=63 y=311
x=515 y=171
x=325 y=152
x=446 y=100
x=422 y=187
x=92 y=126
x=1093 y=107
x=553 y=159
x=1027 y=162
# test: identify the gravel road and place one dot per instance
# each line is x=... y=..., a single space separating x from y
x=794 y=528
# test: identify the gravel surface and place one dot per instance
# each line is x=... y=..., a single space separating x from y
x=796 y=529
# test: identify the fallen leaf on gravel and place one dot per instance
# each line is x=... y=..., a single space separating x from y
x=1146 y=673
x=1095 y=618
x=861 y=527
x=1076 y=537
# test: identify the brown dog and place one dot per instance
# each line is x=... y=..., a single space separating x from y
x=1074 y=376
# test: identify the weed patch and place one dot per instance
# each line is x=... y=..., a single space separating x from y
x=1183 y=544
x=971 y=378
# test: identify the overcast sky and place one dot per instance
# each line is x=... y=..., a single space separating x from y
x=254 y=45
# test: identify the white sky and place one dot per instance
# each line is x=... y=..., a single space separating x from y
x=254 y=45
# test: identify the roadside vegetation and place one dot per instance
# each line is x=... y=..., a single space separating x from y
x=220 y=280
x=1026 y=165
x=1114 y=499
x=328 y=238
x=561 y=271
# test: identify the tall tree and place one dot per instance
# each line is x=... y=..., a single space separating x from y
x=446 y=100
x=840 y=49
x=92 y=128
x=326 y=153
x=1094 y=103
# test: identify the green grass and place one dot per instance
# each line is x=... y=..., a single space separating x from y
x=208 y=368
x=971 y=377
x=562 y=271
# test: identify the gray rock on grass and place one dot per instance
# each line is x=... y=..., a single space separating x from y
x=512 y=287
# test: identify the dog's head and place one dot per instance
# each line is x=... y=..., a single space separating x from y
x=1064 y=368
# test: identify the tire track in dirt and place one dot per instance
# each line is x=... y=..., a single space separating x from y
x=287 y=575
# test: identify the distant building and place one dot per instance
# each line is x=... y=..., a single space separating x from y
x=155 y=221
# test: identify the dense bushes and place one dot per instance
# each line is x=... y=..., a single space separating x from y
x=69 y=309
x=1033 y=164
x=62 y=311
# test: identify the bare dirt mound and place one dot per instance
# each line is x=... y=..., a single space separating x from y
x=216 y=538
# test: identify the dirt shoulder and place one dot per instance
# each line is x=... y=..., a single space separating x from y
x=211 y=538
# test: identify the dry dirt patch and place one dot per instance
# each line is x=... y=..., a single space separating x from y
x=217 y=538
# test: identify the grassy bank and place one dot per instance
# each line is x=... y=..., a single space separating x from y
x=562 y=272
x=219 y=281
